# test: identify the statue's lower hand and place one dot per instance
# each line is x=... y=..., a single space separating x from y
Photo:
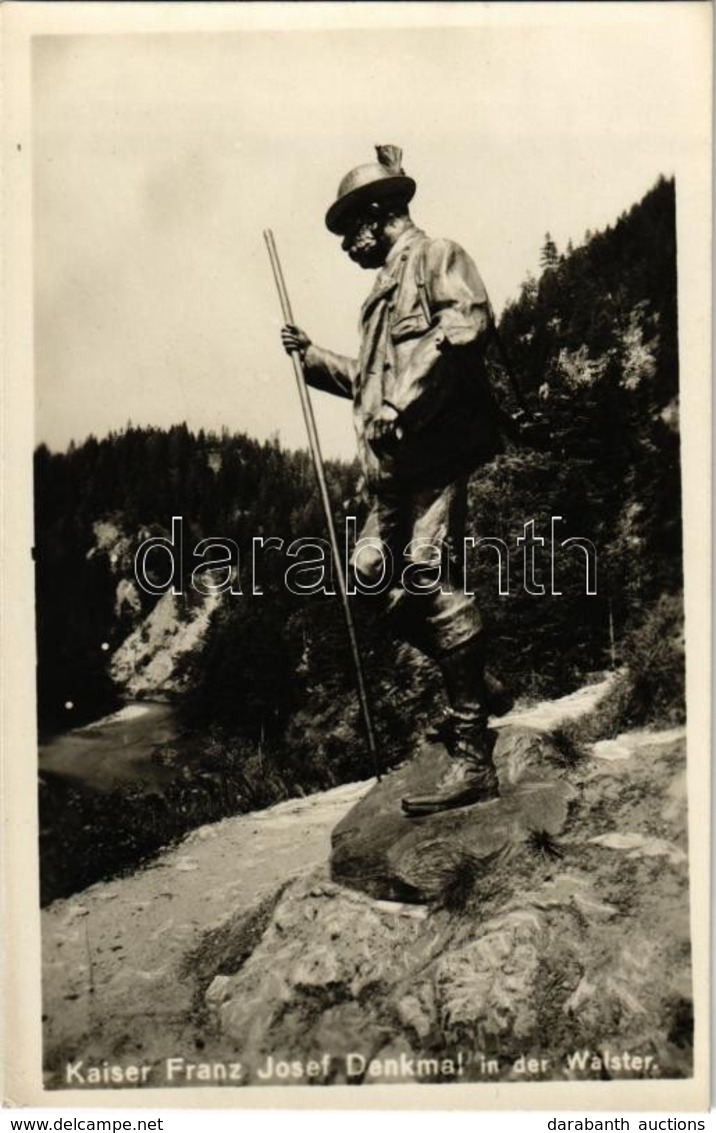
x=294 y=339
x=384 y=432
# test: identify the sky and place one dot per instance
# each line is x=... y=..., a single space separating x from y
x=159 y=159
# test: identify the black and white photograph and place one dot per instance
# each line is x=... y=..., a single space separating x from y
x=358 y=677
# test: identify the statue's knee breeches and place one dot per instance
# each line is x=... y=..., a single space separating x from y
x=451 y=618
x=372 y=565
x=408 y=550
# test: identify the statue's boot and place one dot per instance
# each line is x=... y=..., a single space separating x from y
x=471 y=776
x=469 y=779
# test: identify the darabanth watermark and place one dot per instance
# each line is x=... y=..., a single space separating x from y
x=309 y=569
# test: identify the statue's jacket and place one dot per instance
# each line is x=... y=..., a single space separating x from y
x=424 y=330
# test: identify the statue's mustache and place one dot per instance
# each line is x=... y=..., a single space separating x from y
x=364 y=242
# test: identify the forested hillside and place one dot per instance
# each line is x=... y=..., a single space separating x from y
x=594 y=342
x=270 y=693
x=131 y=484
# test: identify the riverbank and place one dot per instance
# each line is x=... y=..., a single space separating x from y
x=114 y=792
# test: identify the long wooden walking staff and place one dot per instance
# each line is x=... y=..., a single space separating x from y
x=325 y=499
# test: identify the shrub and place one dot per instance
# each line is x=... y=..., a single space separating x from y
x=654 y=655
x=650 y=691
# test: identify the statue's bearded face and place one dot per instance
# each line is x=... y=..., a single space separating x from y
x=365 y=240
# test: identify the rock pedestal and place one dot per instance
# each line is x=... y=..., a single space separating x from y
x=379 y=850
x=575 y=960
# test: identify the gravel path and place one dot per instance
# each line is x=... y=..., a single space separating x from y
x=112 y=953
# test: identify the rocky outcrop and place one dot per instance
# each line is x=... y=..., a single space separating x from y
x=552 y=941
x=378 y=849
x=148 y=662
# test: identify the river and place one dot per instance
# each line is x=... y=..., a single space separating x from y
x=114 y=750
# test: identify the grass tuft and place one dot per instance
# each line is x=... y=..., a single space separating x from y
x=460 y=884
x=542 y=844
x=568 y=750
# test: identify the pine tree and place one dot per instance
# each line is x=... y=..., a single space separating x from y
x=549 y=256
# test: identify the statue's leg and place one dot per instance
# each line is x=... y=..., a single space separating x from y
x=450 y=623
x=430 y=624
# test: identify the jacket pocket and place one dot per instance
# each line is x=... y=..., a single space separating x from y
x=409 y=326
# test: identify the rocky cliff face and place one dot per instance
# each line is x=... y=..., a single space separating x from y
x=149 y=660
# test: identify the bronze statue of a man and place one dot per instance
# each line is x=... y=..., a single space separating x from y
x=425 y=419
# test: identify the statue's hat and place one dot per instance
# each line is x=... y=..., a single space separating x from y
x=371 y=182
